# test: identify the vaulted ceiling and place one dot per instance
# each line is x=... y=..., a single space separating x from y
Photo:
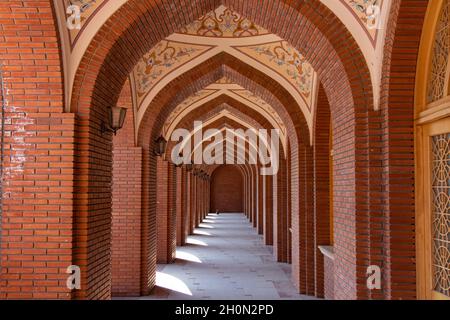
x=223 y=32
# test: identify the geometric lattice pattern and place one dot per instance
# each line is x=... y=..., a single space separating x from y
x=441 y=213
x=439 y=63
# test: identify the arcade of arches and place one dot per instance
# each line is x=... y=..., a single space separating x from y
x=358 y=92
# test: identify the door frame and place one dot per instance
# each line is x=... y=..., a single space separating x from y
x=424 y=212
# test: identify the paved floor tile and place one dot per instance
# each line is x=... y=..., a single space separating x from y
x=225 y=260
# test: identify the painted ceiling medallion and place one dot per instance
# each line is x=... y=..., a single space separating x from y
x=225 y=23
x=286 y=60
x=165 y=57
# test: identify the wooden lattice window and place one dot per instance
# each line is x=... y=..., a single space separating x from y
x=441 y=213
x=441 y=49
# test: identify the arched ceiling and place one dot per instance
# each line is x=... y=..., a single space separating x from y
x=227 y=127
x=269 y=53
x=224 y=116
x=368 y=30
x=224 y=87
x=225 y=31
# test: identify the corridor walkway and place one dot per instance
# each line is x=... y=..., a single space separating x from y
x=225 y=259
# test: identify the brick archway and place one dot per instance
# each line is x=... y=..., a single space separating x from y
x=356 y=128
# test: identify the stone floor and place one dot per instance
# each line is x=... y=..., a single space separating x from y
x=225 y=259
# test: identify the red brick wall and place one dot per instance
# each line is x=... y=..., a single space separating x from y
x=227 y=190
x=348 y=89
x=328 y=291
x=71 y=203
x=180 y=206
x=268 y=225
x=166 y=213
x=280 y=214
x=38 y=168
x=261 y=203
x=404 y=33
x=126 y=224
x=321 y=188
x=126 y=206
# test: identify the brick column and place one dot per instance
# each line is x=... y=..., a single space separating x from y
x=193 y=203
x=186 y=203
x=126 y=226
x=127 y=206
x=304 y=249
x=165 y=210
x=255 y=196
x=280 y=214
x=245 y=196
x=260 y=204
x=268 y=217
x=250 y=195
x=38 y=168
x=322 y=189
x=179 y=201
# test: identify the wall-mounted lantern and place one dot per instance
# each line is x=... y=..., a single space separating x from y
x=116 y=119
x=160 y=146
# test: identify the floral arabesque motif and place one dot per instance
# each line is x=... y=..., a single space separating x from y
x=163 y=58
x=287 y=60
x=223 y=22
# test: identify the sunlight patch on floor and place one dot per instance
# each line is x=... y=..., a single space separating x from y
x=202 y=233
x=182 y=255
x=169 y=282
x=206 y=226
x=196 y=242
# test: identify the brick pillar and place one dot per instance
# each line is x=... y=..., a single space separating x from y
x=197 y=203
x=245 y=193
x=322 y=193
x=193 y=203
x=126 y=207
x=165 y=210
x=186 y=203
x=126 y=225
x=261 y=204
x=288 y=211
x=179 y=200
x=255 y=196
x=304 y=249
x=280 y=214
x=38 y=167
x=203 y=198
x=250 y=195
x=268 y=217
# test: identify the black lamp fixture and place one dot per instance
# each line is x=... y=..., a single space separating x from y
x=116 y=119
x=160 y=146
